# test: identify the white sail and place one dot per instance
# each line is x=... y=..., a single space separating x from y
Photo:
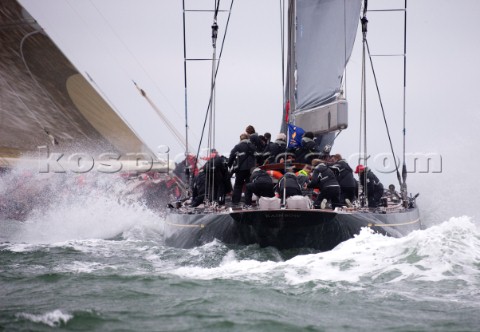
x=46 y=101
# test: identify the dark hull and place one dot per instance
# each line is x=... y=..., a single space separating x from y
x=284 y=229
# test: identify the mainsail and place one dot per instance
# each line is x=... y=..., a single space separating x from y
x=321 y=38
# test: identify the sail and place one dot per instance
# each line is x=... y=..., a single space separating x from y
x=324 y=36
x=45 y=101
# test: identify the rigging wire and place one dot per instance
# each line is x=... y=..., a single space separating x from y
x=216 y=72
x=187 y=171
x=344 y=78
x=363 y=106
x=383 y=113
x=282 y=42
x=364 y=113
x=367 y=48
x=210 y=171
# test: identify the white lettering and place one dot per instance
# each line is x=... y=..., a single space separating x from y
x=52 y=160
x=80 y=163
x=109 y=163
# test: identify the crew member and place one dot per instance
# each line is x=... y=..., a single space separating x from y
x=243 y=156
x=373 y=185
x=254 y=138
x=289 y=182
x=261 y=184
x=344 y=174
x=198 y=188
x=274 y=149
x=268 y=137
x=217 y=178
x=324 y=179
x=303 y=177
x=308 y=149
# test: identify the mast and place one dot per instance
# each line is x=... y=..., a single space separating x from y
x=290 y=102
x=187 y=170
x=291 y=81
x=185 y=78
x=209 y=195
x=321 y=36
x=403 y=187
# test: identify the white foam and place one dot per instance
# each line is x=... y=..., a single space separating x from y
x=83 y=267
x=88 y=217
x=449 y=250
x=53 y=318
x=62 y=207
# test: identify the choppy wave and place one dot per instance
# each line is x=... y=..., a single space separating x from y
x=423 y=276
x=450 y=250
x=53 y=318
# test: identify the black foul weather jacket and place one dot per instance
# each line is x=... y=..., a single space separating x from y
x=323 y=177
x=273 y=149
x=243 y=155
x=306 y=152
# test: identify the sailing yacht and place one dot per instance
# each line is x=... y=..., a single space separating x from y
x=321 y=35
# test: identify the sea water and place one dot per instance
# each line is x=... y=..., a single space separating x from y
x=96 y=263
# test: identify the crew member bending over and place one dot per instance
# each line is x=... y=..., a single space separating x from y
x=261 y=184
x=324 y=179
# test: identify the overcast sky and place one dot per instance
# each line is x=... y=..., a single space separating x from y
x=117 y=41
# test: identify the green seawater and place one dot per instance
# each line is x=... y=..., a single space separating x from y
x=427 y=281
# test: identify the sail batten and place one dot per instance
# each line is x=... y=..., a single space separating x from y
x=324 y=35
